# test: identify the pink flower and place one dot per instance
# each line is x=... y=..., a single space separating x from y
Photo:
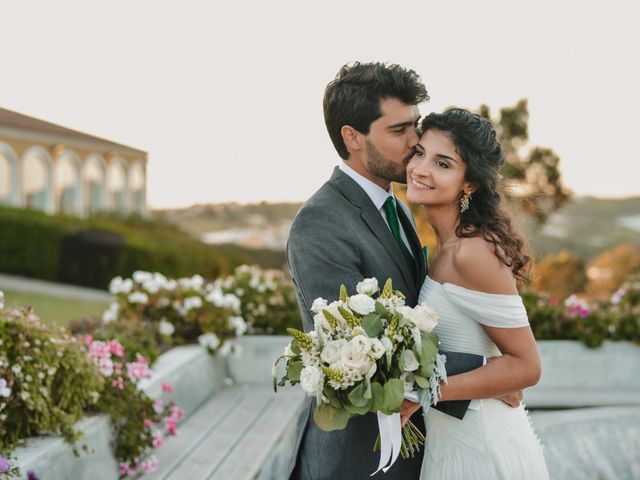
x=118 y=383
x=158 y=439
x=149 y=465
x=167 y=387
x=177 y=412
x=138 y=369
x=116 y=348
x=88 y=339
x=170 y=424
x=158 y=405
x=147 y=422
x=126 y=469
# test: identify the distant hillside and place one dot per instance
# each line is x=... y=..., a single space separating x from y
x=585 y=225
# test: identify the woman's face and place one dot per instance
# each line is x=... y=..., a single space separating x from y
x=435 y=174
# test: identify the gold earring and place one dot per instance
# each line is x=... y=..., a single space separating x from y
x=464 y=202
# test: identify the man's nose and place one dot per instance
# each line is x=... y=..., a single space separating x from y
x=412 y=137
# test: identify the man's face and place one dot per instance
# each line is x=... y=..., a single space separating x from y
x=391 y=140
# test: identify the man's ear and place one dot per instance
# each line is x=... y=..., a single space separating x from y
x=352 y=138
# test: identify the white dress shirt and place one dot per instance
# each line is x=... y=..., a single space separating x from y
x=378 y=196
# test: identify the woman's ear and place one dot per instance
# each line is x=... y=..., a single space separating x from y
x=352 y=138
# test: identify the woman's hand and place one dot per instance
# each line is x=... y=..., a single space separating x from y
x=407 y=409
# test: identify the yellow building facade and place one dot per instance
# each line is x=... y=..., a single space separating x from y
x=58 y=170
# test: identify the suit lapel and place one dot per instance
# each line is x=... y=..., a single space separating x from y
x=372 y=217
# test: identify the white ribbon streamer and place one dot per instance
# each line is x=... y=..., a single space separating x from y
x=390 y=440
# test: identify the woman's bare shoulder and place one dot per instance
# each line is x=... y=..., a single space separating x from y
x=477 y=267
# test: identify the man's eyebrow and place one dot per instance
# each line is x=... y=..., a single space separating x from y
x=402 y=124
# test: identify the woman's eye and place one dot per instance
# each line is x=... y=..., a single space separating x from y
x=419 y=153
x=441 y=164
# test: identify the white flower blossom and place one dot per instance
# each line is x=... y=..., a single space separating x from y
x=138 y=297
x=312 y=380
x=318 y=304
x=368 y=286
x=238 y=324
x=332 y=350
x=118 y=285
x=193 y=302
x=140 y=276
x=166 y=328
x=362 y=304
x=209 y=340
x=111 y=314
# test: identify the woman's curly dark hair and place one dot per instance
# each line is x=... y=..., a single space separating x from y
x=475 y=140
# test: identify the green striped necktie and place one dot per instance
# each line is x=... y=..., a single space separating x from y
x=394 y=225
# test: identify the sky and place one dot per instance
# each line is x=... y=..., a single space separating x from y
x=227 y=96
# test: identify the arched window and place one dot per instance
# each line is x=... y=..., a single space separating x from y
x=137 y=186
x=68 y=185
x=95 y=181
x=37 y=180
x=118 y=188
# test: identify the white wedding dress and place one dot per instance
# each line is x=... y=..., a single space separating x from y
x=497 y=441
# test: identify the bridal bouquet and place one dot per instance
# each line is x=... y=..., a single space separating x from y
x=363 y=354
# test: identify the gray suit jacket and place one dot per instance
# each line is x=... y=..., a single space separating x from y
x=338 y=237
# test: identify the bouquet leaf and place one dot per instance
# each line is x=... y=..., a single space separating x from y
x=293 y=371
x=329 y=418
x=372 y=325
x=377 y=397
x=393 y=395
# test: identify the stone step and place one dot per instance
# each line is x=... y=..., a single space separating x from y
x=601 y=443
x=243 y=433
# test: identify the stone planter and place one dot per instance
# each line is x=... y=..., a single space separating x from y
x=194 y=373
x=574 y=375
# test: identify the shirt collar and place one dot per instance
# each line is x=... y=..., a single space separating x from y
x=376 y=193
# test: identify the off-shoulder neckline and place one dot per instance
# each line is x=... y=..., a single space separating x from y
x=477 y=292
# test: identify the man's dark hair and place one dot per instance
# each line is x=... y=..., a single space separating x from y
x=354 y=97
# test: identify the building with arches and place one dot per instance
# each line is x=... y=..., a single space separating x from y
x=59 y=170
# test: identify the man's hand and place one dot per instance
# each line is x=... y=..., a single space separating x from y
x=407 y=409
x=511 y=398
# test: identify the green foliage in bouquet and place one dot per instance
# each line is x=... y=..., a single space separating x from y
x=268 y=299
x=49 y=380
x=361 y=357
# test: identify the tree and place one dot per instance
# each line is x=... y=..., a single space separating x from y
x=531 y=173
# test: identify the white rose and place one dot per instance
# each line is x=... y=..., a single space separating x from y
x=411 y=363
x=312 y=380
x=362 y=304
x=166 y=328
x=111 y=314
x=377 y=349
x=318 y=304
x=332 y=350
x=368 y=286
x=118 y=285
x=361 y=344
x=425 y=318
x=353 y=358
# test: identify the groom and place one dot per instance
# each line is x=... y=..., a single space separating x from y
x=355 y=228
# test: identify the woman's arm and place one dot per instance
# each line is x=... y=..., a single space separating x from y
x=476 y=267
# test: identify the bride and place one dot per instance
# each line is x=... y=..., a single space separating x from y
x=472 y=284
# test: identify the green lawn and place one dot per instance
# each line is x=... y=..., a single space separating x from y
x=54 y=310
